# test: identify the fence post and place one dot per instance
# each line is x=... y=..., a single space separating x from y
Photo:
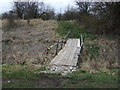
x=57 y=45
x=80 y=40
x=61 y=43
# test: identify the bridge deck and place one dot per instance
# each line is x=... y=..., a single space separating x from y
x=69 y=54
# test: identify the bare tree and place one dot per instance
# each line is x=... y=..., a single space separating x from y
x=70 y=14
x=29 y=10
x=83 y=7
x=108 y=14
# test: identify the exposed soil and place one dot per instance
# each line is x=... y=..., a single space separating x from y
x=50 y=82
x=41 y=82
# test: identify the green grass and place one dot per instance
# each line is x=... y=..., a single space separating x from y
x=66 y=26
x=76 y=30
x=10 y=71
x=26 y=78
x=89 y=80
x=25 y=75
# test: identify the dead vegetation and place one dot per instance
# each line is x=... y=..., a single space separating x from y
x=105 y=57
x=26 y=43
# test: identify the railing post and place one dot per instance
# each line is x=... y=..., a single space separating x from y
x=81 y=42
x=57 y=45
x=61 y=43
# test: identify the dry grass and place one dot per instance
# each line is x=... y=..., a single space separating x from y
x=27 y=43
x=107 y=55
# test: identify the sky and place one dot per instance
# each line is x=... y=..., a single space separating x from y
x=59 y=5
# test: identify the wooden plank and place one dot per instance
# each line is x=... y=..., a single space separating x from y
x=69 y=54
x=75 y=59
x=66 y=59
x=61 y=57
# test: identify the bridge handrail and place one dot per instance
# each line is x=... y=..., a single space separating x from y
x=62 y=40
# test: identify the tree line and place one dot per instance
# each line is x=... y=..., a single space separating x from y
x=102 y=17
x=30 y=10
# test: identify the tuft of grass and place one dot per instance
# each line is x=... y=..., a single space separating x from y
x=41 y=69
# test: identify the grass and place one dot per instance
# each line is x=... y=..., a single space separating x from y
x=23 y=75
x=76 y=30
x=88 y=80
x=93 y=50
x=19 y=84
x=22 y=72
x=66 y=26
x=25 y=78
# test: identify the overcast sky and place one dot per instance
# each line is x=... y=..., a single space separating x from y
x=59 y=5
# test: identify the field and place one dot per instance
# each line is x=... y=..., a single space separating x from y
x=24 y=57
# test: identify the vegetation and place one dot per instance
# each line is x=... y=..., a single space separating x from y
x=26 y=76
x=17 y=76
x=65 y=26
x=102 y=18
x=95 y=51
x=89 y=80
x=24 y=49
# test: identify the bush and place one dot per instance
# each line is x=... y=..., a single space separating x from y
x=9 y=22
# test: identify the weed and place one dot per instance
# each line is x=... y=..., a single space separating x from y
x=41 y=69
x=83 y=71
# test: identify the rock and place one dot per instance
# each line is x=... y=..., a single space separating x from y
x=60 y=69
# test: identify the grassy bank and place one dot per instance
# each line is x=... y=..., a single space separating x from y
x=76 y=30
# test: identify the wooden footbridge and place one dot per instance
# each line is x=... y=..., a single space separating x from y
x=69 y=54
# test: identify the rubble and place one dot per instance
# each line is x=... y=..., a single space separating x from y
x=63 y=70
